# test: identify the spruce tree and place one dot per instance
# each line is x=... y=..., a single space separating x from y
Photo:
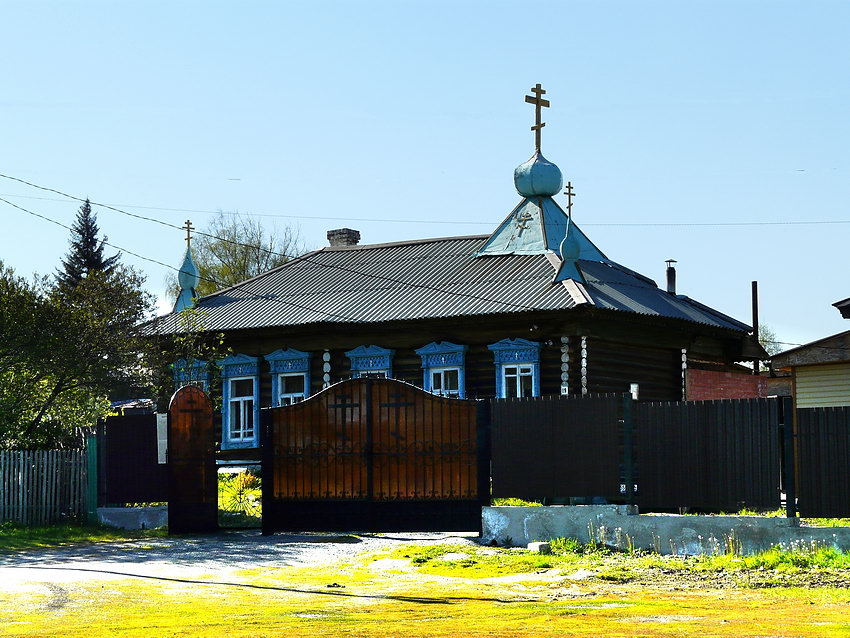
x=86 y=253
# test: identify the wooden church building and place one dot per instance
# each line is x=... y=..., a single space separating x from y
x=533 y=308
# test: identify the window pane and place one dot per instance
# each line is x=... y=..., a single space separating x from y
x=242 y=388
x=525 y=385
x=525 y=370
x=436 y=382
x=292 y=384
x=235 y=418
x=510 y=371
x=248 y=430
x=450 y=380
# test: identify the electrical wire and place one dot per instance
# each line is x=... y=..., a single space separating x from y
x=307 y=257
x=211 y=280
x=422 y=221
x=302 y=307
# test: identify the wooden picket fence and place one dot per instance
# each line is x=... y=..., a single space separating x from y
x=42 y=486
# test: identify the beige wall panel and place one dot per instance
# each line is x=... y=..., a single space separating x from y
x=823 y=386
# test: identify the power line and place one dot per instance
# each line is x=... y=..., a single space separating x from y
x=302 y=307
x=307 y=258
x=211 y=280
x=821 y=222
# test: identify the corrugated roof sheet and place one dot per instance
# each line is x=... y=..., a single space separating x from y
x=426 y=279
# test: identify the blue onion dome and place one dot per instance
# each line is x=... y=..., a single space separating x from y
x=538 y=176
x=188 y=277
x=570 y=248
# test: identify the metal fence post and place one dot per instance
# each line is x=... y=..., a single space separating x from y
x=628 y=448
x=91 y=479
x=267 y=450
x=786 y=411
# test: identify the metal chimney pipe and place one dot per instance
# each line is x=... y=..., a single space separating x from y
x=671 y=276
x=756 y=362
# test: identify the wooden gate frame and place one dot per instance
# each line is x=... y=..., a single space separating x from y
x=365 y=512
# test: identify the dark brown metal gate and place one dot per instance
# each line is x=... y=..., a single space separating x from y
x=378 y=455
x=193 y=490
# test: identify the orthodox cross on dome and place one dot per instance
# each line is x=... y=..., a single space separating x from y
x=538 y=103
x=189 y=228
x=568 y=191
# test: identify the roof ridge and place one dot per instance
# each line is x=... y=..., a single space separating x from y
x=407 y=242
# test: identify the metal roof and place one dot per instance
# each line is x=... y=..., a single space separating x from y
x=425 y=279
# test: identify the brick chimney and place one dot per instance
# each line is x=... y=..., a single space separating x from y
x=344 y=237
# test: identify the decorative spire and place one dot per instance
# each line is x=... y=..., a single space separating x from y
x=538 y=103
x=188 y=277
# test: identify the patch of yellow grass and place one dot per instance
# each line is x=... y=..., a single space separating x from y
x=353 y=600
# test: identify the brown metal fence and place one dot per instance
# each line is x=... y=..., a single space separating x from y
x=823 y=461
x=708 y=455
x=557 y=446
x=129 y=468
x=43 y=486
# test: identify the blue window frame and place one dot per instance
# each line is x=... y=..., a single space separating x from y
x=290 y=376
x=371 y=361
x=191 y=372
x=517 y=368
x=240 y=410
x=443 y=368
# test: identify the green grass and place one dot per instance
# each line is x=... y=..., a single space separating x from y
x=14 y=537
x=514 y=502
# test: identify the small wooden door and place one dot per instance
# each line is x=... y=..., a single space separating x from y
x=192 y=481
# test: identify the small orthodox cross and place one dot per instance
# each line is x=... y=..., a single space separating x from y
x=570 y=194
x=189 y=228
x=538 y=103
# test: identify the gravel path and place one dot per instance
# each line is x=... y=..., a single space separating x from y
x=189 y=557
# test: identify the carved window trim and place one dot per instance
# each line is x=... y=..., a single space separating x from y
x=288 y=362
x=371 y=360
x=441 y=356
x=516 y=352
x=234 y=368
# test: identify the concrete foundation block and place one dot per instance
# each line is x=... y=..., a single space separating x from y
x=134 y=517
x=540 y=548
x=620 y=527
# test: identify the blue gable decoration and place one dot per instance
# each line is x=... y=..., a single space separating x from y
x=516 y=351
x=288 y=360
x=192 y=371
x=235 y=366
x=370 y=358
x=440 y=354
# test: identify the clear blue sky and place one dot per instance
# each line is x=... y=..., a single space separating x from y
x=413 y=113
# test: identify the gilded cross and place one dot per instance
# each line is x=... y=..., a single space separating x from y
x=538 y=103
x=189 y=228
x=570 y=194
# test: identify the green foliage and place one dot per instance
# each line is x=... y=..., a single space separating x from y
x=64 y=349
x=240 y=499
x=191 y=343
x=572 y=546
x=768 y=340
x=514 y=502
